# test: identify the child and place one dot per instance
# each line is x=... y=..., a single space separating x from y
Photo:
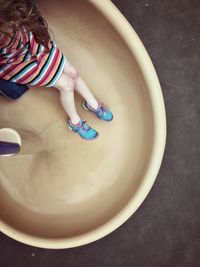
x=29 y=57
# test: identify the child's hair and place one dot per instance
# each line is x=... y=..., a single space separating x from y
x=24 y=14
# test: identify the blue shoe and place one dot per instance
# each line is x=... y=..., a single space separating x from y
x=85 y=131
x=102 y=112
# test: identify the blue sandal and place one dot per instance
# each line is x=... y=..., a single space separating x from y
x=84 y=130
x=102 y=112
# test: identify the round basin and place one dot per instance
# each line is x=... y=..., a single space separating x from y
x=61 y=191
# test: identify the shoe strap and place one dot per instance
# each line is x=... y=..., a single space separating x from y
x=84 y=128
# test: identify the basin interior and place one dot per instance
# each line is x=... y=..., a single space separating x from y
x=60 y=186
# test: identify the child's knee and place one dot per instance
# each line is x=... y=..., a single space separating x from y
x=71 y=71
x=65 y=83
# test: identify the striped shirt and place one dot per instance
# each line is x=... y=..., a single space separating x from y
x=24 y=61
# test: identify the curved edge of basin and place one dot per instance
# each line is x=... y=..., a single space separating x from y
x=127 y=33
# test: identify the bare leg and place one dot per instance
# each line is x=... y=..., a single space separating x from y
x=66 y=86
x=80 y=86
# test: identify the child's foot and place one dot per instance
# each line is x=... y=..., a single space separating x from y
x=102 y=112
x=85 y=131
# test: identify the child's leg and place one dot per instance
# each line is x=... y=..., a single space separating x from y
x=80 y=86
x=66 y=85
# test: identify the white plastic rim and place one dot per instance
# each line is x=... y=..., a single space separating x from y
x=113 y=15
x=9 y=135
